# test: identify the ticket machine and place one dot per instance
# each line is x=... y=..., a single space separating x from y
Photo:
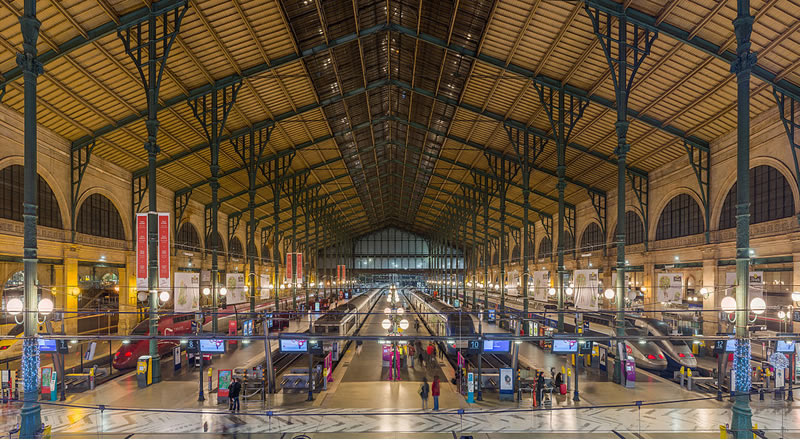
x=630 y=373
x=144 y=371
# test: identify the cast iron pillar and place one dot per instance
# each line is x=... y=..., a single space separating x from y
x=274 y=172
x=250 y=147
x=212 y=114
x=149 y=50
x=504 y=172
x=741 y=423
x=621 y=54
x=293 y=189
x=31 y=68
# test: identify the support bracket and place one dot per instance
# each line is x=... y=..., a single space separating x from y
x=641 y=189
x=600 y=205
x=79 y=162
x=139 y=192
x=180 y=202
x=701 y=164
x=791 y=123
x=233 y=224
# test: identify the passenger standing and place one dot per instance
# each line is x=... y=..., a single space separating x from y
x=359 y=344
x=539 y=388
x=233 y=394
x=429 y=358
x=423 y=393
x=435 y=392
x=411 y=353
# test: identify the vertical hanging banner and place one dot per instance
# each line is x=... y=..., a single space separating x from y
x=264 y=286
x=669 y=288
x=299 y=267
x=585 y=287
x=236 y=288
x=541 y=283
x=344 y=277
x=141 y=251
x=289 y=267
x=163 y=251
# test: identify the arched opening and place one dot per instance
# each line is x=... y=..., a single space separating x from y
x=515 y=253
x=12 y=195
x=569 y=242
x=634 y=230
x=592 y=238
x=545 y=248
x=235 y=248
x=681 y=217
x=265 y=254
x=214 y=241
x=187 y=238
x=771 y=198
x=99 y=217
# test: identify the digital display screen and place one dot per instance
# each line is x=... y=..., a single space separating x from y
x=47 y=345
x=212 y=346
x=496 y=346
x=785 y=346
x=730 y=345
x=491 y=315
x=247 y=328
x=565 y=346
x=294 y=345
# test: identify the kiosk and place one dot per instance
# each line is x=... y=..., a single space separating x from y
x=144 y=371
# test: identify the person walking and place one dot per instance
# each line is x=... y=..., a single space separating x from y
x=411 y=353
x=539 y=389
x=429 y=358
x=359 y=344
x=435 y=391
x=424 y=390
x=233 y=394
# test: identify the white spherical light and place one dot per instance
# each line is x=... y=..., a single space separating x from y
x=404 y=324
x=781 y=315
x=387 y=311
x=728 y=304
x=551 y=291
x=569 y=291
x=386 y=324
x=14 y=306
x=401 y=311
x=206 y=291
x=223 y=291
x=758 y=305
x=609 y=294
x=164 y=296
x=45 y=306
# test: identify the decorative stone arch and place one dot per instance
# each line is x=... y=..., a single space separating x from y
x=666 y=199
x=539 y=246
x=127 y=222
x=727 y=183
x=579 y=245
x=196 y=230
x=611 y=237
x=61 y=195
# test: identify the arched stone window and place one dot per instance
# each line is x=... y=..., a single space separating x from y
x=99 y=217
x=515 y=253
x=235 y=248
x=217 y=241
x=634 y=230
x=545 y=248
x=592 y=238
x=681 y=217
x=187 y=238
x=12 y=194
x=771 y=198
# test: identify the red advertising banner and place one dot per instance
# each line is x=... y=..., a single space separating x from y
x=289 y=267
x=338 y=273
x=344 y=276
x=163 y=251
x=232 y=330
x=141 y=250
x=299 y=267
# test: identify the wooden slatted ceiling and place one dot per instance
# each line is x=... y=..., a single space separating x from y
x=96 y=85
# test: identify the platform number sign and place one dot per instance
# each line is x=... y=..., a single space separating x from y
x=474 y=347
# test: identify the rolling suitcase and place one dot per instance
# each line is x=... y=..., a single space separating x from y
x=563 y=389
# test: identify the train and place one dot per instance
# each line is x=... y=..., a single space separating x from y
x=345 y=319
x=677 y=351
x=181 y=324
x=443 y=320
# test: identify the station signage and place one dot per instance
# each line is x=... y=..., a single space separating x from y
x=212 y=346
x=497 y=346
x=565 y=346
x=142 y=251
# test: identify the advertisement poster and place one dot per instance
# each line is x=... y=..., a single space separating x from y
x=264 y=283
x=506 y=380
x=236 y=288
x=669 y=288
x=163 y=251
x=513 y=283
x=224 y=382
x=289 y=267
x=585 y=286
x=187 y=292
x=141 y=251
x=291 y=345
x=756 y=284
x=212 y=346
x=299 y=266
x=541 y=283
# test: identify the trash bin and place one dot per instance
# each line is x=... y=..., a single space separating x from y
x=144 y=371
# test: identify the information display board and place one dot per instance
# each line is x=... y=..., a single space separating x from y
x=785 y=346
x=247 y=328
x=224 y=382
x=565 y=346
x=212 y=346
x=491 y=316
x=47 y=345
x=501 y=346
x=294 y=345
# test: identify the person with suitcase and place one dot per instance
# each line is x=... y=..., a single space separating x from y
x=539 y=388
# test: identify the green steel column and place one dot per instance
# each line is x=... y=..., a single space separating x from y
x=277 y=253
x=561 y=185
x=251 y=247
x=502 y=250
x=31 y=67
x=622 y=153
x=474 y=256
x=745 y=60
x=486 y=255
x=525 y=196
x=214 y=184
x=294 y=249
